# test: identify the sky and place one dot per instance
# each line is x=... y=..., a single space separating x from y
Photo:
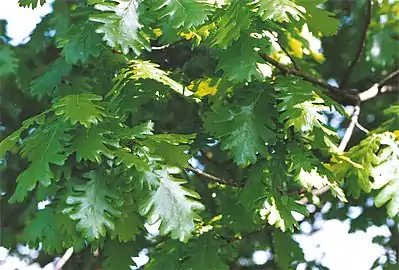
x=332 y=245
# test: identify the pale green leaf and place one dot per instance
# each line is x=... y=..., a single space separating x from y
x=93 y=205
x=279 y=10
x=174 y=206
x=386 y=175
x=80 y=109
x=121 y=26
x=140 y=69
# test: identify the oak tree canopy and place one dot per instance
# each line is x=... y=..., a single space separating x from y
x=219 y=120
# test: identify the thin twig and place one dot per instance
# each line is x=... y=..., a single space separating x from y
x=378 y=88
x=348 y=133
x=362 y=128
x=64 y=258
x=361 y=46
x=286 y=52
x=388 y=77
x=334 y=92
x=213 y=178
x=291 y=58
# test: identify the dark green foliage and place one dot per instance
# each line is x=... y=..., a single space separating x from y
x=211 y=119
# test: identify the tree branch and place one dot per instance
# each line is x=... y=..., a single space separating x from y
x=334 y=92
x=360 y=47
x=213 y=178
x=349 y=130
x=380 y=87
x=315 y=192
x=64 y=259
x=341 y=148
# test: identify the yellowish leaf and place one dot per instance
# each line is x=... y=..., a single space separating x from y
x=296 y=47
x=157 y=32
x=202 y=88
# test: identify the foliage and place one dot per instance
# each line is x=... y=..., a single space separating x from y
x=210 y=120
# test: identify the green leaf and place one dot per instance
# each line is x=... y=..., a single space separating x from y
x=140 y=69
x=279 y=212
x=128 y=225
x=174 y=155
x=137 y=132
x=55 y=231
x=243 y=127
x=386 y=175
x=8 y=61
x=47 y=145
x=358 y=178
x=287 y=251
x=184 y=14
x=392 y=123
x=11 y=141
x=173 y=205
x=118 y=255
x=90 y=144
x=319 y=20
x=278 y=10
x=79 y=43
x=253 y=195
x=121 y=26
x=279 y=207
x=174 y=139
x=232 y=22
x=310 y=171
x=33 y=3
x=204 y=253
x=300 y=104
x=93 y=205
x=80 y=108
x=238 y=62
x=143 y=163
x=167 y=253
x=45 y=84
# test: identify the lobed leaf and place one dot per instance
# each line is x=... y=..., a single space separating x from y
x=243 y=127
x=47 y=145
x=173 y=205
x=184 y=13
x=121 y=26
x=79 y=43
x=80 y=109
x=8 y=61
x=92 y=204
